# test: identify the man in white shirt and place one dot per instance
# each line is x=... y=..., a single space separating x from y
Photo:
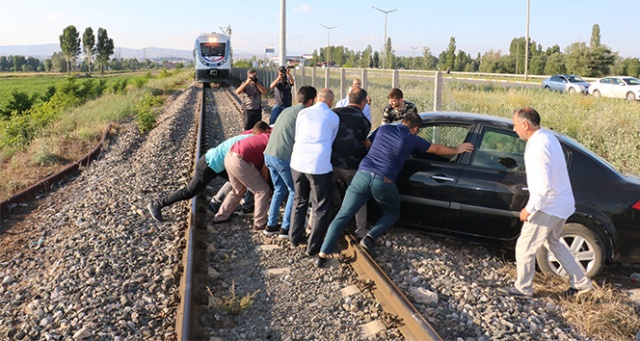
x=345 y=101
x=550 y=203
x=311 y=170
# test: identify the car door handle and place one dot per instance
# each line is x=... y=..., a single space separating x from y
x=441 y=178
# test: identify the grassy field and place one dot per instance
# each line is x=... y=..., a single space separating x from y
x=609 y=127
x=79 y=129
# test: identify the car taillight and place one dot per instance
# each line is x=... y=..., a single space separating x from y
x=636 y=206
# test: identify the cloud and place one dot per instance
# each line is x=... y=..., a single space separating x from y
x=302 y=8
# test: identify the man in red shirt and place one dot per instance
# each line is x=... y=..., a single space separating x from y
x=246 y=169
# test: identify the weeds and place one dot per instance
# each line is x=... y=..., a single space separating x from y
x=234 y=304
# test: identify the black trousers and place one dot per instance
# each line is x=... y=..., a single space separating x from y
x=202 y=176
x=318 y=189
x=251 y=117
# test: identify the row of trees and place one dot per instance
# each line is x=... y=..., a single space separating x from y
x=593 y=60
x=71 y=47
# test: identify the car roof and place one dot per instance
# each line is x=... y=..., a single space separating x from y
x=465 y=116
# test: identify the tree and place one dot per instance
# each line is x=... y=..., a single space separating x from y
x=376 y=60
x=58 y=62
x=366 y=57
x=430 y=61
x=48 y=65
x=555 y=64
x=389 y=55
x=104 y=49
x=577 y=59
x=448 y=57
x=600 y=57
x=88 y=46
x=70 y=45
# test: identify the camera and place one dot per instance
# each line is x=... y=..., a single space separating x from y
x=254 y=79
x=290 y=66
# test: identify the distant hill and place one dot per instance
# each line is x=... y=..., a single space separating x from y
x=43 y=51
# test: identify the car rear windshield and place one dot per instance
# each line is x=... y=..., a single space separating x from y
x=631 y=81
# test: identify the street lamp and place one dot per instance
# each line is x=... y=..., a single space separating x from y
x=328 y=43
x=384 y=44
x=526 y=41
x=413 y=63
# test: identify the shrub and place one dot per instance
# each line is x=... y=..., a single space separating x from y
x=146 y=112
x=164 y=73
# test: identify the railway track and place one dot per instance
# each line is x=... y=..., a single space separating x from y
x=398 y=311
x=87 y=262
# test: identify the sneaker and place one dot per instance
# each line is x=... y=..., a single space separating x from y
x=284 y=234
x=369 y=245
x=271 y=230
x=575 y=292
x=514 y=292
x=214 y=206
x=156 y=212
x=231 y=217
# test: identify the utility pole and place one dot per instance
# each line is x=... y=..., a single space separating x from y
x=328 y=53
x=517 y=55
x=526 y=41
x=413 y=62
x=227 y=31
x=384 y=44
x=283 y=32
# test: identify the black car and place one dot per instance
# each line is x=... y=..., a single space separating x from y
x=478 y=196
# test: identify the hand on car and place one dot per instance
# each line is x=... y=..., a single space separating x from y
x=465 y=147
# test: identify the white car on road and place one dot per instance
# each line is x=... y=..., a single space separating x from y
x=619 y=87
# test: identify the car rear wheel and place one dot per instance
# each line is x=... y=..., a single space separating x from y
x=584 y=245
x=631 y=96
x=572 y=90
x=596 y=93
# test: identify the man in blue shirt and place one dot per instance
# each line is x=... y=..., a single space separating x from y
x=376 y=179
x=208 y=167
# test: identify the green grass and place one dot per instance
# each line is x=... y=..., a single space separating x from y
x=607 y=126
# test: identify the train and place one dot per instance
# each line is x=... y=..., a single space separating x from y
x=212 y=58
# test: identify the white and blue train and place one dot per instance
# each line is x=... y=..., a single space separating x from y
x=212 y=58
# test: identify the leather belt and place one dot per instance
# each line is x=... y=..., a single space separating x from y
x=239 y=156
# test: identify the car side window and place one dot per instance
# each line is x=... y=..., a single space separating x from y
x=500 y=150
x=446 y=134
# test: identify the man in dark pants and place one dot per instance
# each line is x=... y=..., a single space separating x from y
x=208 y=167
x=281 y=92
x=350 y=146
x=250 y=92
x=316 y=128
x=376 y=179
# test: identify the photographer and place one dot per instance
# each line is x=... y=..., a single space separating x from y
x=282 y=92
x=250 y=92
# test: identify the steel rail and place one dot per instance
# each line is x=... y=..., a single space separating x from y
x=411 y=324
x=184 y=321
x=66 y=172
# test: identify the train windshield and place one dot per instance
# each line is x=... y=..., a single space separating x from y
x=212 y=49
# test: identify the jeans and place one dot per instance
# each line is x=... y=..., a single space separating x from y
x=275 y=112
x=282 y=187
x=201 y=177
x=318 y=189
x=364 y=186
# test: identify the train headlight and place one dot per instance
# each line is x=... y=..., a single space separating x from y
x=213 y=39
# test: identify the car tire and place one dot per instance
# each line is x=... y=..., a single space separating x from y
x=572 y=90
x=631 y=97
x=546 y=87
x=596 y=93
x=585 y=246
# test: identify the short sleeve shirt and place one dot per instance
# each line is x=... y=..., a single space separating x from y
x=348 y=147
x=392 y=145
x=390 y=115
x=252 y=149
x=215 y=156
x=282 y=94
x=283 y=134
x=251 y=97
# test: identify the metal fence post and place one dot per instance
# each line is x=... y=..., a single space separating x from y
x=364 y=78
x=313 y=77
x=304 y=81
x=437 y=91
x=343 y=80
x=396 y=79
x=326 y=77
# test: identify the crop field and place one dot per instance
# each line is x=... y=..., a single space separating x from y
x=607 y=126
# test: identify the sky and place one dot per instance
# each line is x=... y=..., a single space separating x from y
x=477 y=25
